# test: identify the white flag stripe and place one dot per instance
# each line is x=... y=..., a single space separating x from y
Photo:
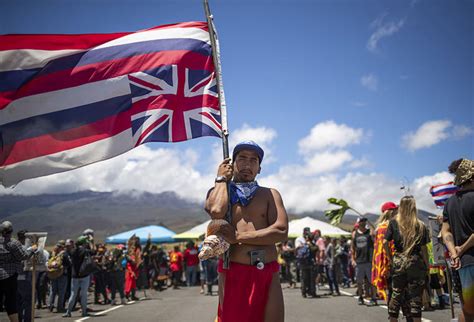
x=169 y=33
x=34 y=58
x=20 y=59
x=67 y=160
x=64 y=99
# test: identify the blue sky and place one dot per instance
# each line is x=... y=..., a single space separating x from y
x=342 y=94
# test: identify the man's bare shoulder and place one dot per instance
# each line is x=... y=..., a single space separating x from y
x=270 y=192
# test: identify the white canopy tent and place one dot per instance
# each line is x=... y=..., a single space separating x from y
x=296 y=226
x=195 y=232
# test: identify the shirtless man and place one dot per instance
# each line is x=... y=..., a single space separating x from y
x=249 y=290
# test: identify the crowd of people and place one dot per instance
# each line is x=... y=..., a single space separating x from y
x=74 y=268
x=392 y=260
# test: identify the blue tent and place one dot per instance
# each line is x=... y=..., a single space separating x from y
x=158 y=234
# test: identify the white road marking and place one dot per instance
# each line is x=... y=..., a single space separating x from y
x=106 y=311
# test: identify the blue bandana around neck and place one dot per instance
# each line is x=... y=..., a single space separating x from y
x=242 y=192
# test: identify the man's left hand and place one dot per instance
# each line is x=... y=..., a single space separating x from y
x=228 y=233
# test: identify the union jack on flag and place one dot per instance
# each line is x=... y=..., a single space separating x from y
x=179 y=114
x=71 y=100
x=442 y=192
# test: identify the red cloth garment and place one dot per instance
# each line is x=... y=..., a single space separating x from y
x=246 y=292
x=380 y=268
x=132 y=271
x=131 y=275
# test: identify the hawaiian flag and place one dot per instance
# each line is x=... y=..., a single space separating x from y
x=70 y=100
x=442 y=192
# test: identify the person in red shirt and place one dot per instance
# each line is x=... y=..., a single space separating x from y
x=176 y=266
x=191 y=263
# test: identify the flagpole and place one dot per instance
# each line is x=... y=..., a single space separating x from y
x=222 y=105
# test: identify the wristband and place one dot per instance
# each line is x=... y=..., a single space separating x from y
x=221 y=179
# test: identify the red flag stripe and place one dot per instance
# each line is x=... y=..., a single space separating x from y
x=101 y=71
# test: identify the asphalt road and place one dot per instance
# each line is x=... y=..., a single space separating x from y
x=186 y=304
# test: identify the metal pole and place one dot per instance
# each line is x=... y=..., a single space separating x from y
x=33 y=287
x=450 y=287
x=222 y=106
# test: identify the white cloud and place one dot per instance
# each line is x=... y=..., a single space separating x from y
x=382 y=30
x=460 y=131
x=433 y=132
x=327 y=161
x=327 y=135
x=370 y=82
x=364 y=192
x=141 y=168
x=361 y=163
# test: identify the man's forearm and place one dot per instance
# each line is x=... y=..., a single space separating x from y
x=449 y=242
x=217 y=202
x=266 y=236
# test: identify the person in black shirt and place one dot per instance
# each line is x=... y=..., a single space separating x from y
x=362 y=251
x=85 y=248
x=409 y=264
x=458 y=231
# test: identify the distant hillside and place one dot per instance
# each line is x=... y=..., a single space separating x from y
x=67 y=215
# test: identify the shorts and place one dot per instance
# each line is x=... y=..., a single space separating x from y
x=466 y=275
x=434 y=281
x=364 y=270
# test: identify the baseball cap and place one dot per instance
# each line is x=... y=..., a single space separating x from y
x=248 y=145
x=388 y=205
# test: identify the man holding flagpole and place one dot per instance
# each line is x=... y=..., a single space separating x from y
x=249 y=289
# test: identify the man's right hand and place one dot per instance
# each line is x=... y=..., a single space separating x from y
x=225 y=169
x=455 y=260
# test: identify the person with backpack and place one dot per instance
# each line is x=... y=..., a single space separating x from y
x=57 y=274
x=409 y=262
x=117 y=274
x=82 y=266
x=305 y=254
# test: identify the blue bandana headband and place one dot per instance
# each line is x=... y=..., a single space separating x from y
x=242 y=192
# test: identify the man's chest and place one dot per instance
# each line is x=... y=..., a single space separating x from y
x=252 y=217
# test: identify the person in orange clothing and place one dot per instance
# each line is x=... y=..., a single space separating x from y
x=176 y=266
x=134 y=258
x=380 y=269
